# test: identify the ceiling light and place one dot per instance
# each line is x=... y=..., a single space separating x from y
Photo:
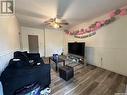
x=56 y=23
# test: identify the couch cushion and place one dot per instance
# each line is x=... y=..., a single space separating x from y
x=21 y=55
x=18 y=63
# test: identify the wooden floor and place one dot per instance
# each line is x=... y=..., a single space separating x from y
x=89 y=81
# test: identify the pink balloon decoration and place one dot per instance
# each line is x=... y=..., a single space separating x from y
x=102 y=22
x=77 y=31
x=71 y=33
x=67 y=33
x=112 y=14
x=95 y=26
x=80 y=33
x=92 y=29
x=95 y=29
x=86 y=30
x=98 y=25
x=82 y=30
x=123 y=12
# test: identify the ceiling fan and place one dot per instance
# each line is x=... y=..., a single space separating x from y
x=60 y=21
x=56 y=22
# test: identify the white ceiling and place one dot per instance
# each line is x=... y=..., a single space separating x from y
x=33 y=13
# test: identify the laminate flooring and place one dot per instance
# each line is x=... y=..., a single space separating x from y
x=89 y=80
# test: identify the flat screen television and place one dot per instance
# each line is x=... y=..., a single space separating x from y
x=77 y=48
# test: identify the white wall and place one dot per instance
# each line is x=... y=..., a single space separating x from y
x=9 y=39
x=53 y=40
x=25 y=31
x=109 y=44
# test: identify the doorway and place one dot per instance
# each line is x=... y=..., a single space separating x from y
x=33 y=43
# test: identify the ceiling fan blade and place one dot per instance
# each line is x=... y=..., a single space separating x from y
x=65 y=23
x=51 y=19
x=31 y=13
x=60 y=26
x=47 y=23
x=62 y=7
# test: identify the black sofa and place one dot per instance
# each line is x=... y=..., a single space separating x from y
x=21 y=73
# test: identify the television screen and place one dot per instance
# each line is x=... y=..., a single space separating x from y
x=76 y=48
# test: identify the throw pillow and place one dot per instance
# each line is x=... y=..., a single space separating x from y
x=21 y=55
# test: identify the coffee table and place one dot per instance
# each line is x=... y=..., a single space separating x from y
x=57 y=62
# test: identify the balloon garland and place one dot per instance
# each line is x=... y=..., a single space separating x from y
x=91 y=30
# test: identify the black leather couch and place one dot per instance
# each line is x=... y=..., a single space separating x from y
x=21 y=73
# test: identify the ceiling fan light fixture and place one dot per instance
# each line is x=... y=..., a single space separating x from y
x=57 y=20
x=55 y=25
